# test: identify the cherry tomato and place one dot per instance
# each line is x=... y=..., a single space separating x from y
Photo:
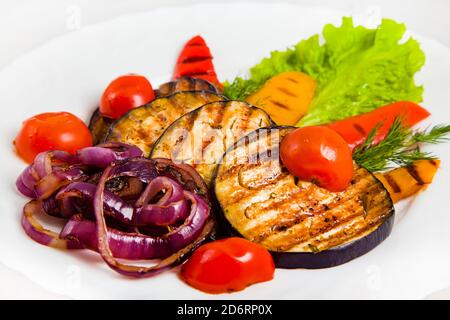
x=125 y=93
x=318 y=154
x=51 y=131
x=228 y=265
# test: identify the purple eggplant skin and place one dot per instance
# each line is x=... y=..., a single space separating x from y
x=185 y=84
x=99 y=126
x=308 y=260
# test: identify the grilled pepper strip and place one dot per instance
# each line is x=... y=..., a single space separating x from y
x=406 y=181
x=355 y=129
x=195 y=61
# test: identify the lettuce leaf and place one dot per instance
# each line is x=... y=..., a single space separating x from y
x=357 y=70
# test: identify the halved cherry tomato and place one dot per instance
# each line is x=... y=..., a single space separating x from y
x=318 y=154
x=125 y=93
x=355 y=129
x=228 y=265
x=51 y=131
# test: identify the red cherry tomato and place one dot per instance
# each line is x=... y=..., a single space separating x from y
x=318 y=154
x=228 y=265
x=51 y=131
x=125 y=93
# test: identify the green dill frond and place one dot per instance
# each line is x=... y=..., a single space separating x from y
x=400 y=147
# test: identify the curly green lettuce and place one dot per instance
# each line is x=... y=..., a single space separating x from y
x=357 y=70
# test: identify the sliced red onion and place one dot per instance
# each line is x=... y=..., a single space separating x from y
x=23 y=189
x=184 y=174
x=103 y=155
x=57 y=179
x=141 y=168
x=165 y=212
x=35 y=230
x=42 y=164
x=52 y=169
x=158 y=215
x=38 y=175
x=173 y=191
x=113 y=204
x=29 y=177
x=171 y=242
x=26 y=181
x=45 y=161
x=82 y=233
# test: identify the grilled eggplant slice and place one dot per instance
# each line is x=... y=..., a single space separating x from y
x=99 y=126
x=184 y=84
x=200 y=137
x=142 y=126
x=303 y=225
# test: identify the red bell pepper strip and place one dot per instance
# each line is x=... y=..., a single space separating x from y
x=355 y=129
x=195 y=61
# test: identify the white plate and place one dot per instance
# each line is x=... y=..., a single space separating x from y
x=70 y=72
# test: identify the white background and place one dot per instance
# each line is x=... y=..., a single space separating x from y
x=26 y=24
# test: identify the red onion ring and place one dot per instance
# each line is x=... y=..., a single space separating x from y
x=173 y=191
x=58 y=183
x=36 y=231
x=52 y=169
x=103 y=155
x=176 y=240
x=159 y=215
x=57 y=179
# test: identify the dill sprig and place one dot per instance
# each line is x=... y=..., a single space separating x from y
x=400 y=147
x=239 y=89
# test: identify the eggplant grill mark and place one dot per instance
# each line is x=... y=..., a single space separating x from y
x=232 y=124
x=336 y=203
x=412 y=170
x=366 y=203
x=395 y=187
x=238 y=170
x=206 y=143
x=263 y=156
x=287 y=92
x=279 y=104
x=201 y=84
x=179 y=85
x=172 y=86
x=360 y=129
x=190 y=120
x=285 y=234
x=219 y=116
x=246 y=119
x=246 y=141
x=190 y=83
x=371 y=225
x=176 y=148
x=337 y=222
